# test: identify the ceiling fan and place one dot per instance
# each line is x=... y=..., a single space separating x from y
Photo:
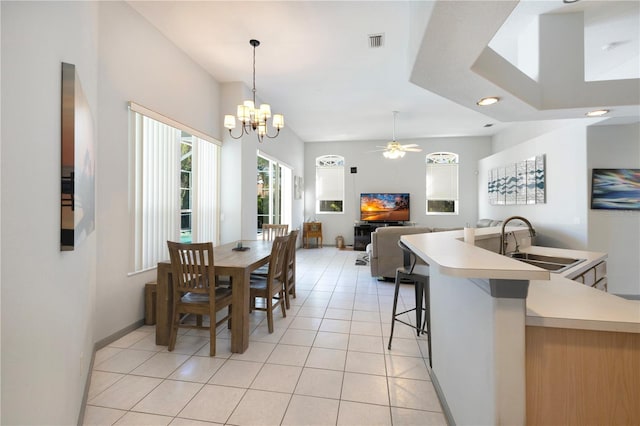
x=395 y=149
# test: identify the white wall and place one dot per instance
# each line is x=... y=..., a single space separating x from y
x=562 y=220
x=48 y=296
x=137 y=64
x=616 y=232
x=377 y=174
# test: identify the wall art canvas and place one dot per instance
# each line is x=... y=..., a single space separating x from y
x=615 y=189
x=518 y=183
x=297 y=187
x=77 y=206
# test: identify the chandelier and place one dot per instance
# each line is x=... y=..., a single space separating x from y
x=252 y=118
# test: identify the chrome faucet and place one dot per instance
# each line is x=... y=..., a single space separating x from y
x=503 y=240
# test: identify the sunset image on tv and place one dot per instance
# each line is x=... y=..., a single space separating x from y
x=384 y=207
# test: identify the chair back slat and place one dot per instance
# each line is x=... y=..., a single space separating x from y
x=277 y=260
x=271 y=231
x=291 y=254
x=192 y=266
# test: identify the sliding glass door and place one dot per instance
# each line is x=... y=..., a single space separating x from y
x=275 y=192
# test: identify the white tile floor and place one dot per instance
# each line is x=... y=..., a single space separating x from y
x=326 y=363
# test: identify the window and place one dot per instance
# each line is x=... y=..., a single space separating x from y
x=275 y=192
x=442 y=183
x=330 y=184
x=174 y=193
x=185 y=188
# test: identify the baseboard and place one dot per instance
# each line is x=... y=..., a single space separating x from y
x=443 y=401
x=629 y=296
x=96 y=347
x=118 y=334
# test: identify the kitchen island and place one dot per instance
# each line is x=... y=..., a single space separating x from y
x=516 y=344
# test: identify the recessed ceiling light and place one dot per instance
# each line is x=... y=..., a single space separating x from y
x=597 y=113
x=488 y=101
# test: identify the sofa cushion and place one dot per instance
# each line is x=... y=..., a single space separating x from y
x=385 y=255
x=485 y=223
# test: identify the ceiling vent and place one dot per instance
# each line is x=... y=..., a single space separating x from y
x=376 y=40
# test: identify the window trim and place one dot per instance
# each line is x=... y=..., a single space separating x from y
x=171 y=122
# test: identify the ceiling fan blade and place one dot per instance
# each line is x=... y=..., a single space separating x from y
x=411 y=145
x=412 y=149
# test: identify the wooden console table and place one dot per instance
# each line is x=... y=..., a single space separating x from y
x=311 y=230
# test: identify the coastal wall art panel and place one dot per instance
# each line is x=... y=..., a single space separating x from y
x=510 y=184
x=518 y=183
x=493 y=186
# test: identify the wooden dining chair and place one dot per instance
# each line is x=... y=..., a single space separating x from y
x=290 y=276
x=195 y=291
x=271 y=231
x=271 y=287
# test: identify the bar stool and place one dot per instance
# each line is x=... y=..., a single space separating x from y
x=419 y=276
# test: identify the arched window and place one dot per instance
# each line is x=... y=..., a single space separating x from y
x=442 y=183
x=330 y=184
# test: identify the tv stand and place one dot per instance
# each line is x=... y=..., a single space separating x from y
x=362 y=233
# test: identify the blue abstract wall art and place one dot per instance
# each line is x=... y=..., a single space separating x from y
x=615 y=189
x=518 y=183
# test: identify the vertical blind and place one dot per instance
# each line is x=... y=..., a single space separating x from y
x=159 y=218
x=205 y=206
x=155 y=197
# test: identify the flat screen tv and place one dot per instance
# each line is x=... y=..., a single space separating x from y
x=615 y=189
x=384 y=207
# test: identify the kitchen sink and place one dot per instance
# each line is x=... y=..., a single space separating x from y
x=555 y=264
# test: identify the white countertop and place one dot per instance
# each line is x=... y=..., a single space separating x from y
x=447 y=251
x=553 y=300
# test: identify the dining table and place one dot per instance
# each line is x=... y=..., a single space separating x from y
x=229 y=260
